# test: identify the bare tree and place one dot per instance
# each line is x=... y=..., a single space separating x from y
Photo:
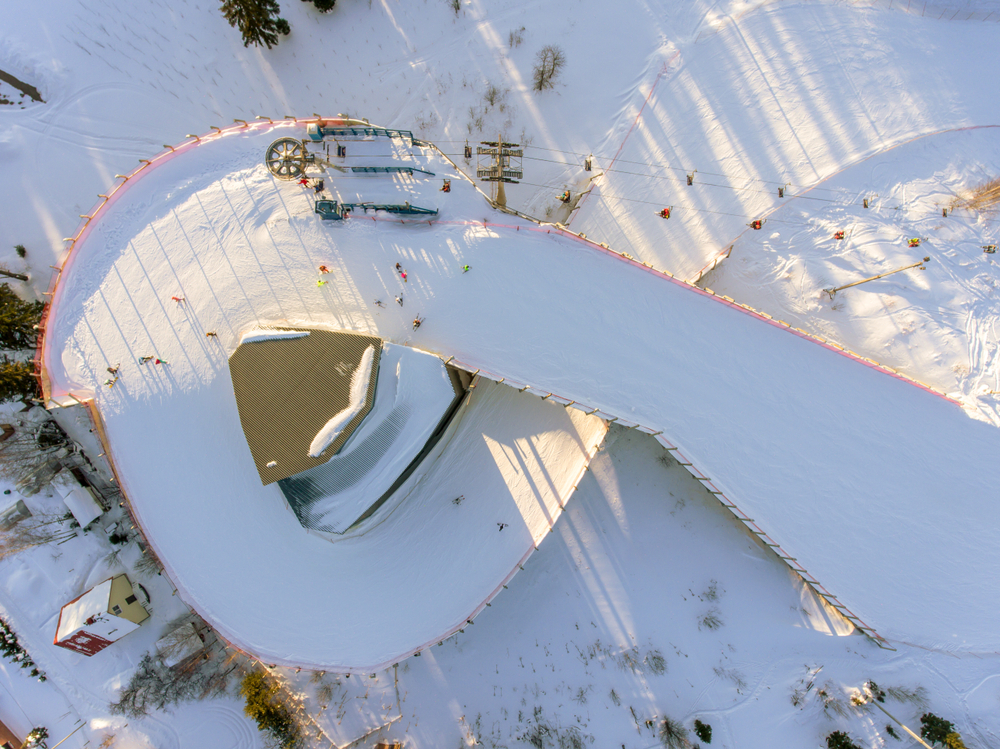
x=36 y=531
x=30 y=449
x=548 y=64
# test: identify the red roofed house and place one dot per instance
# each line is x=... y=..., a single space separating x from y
x=99 y=617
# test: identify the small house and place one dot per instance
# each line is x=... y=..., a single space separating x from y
x=99 y=617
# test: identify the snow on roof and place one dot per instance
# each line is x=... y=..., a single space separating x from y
x=178 y=644
x=413 y=393
x=270 y=334
x=357 y=395
x=289 y=387
x=78 y=498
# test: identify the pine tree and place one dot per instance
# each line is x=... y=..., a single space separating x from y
x=264 y=704
x=17 y=380
x=257 y=20
x=937 y=729
x=17 y=320
x=323 y=6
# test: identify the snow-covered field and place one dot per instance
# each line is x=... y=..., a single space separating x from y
x=752 y=97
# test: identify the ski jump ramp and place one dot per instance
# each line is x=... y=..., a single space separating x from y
x=884 y=491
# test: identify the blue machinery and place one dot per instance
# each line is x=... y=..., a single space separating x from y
x=287 y=159
x=335 y=211
x=317 y=133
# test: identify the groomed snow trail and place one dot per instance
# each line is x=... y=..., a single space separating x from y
x=846 y=467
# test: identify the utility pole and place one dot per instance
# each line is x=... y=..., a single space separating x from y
x=499 y=169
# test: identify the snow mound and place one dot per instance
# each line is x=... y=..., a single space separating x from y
x=359 y=392
x=267 y=334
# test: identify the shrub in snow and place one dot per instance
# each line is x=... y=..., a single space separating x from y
x=673 y=734
x=940 y=730
x=282 y=27
x=256 y=20
x=19 y=249
x=548 y=64
x=840 y=740
x=703 y=731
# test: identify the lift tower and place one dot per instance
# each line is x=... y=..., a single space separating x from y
x=503 y=165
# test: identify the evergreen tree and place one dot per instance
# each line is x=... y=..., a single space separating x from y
x=264 y=704
x=257 y=20
x=17 y=380
x=17 y=320
x=936 y=729
x=840 y=740
x=323 y=6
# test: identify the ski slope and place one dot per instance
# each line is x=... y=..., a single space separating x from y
x=877 y=487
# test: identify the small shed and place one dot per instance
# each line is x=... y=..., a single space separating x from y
x=101 y=616
x=79 y=499
x=180 y=644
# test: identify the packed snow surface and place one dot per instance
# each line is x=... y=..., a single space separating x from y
x=356 y=401
x=837 y=461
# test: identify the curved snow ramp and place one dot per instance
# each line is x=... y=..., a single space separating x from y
x=882 y=491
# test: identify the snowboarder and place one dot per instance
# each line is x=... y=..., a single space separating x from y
x=304 y=181
x=178 y=299
x=403 y=276
x=458 y=500
x=320 y=282
x=378 y=303
x=144 y=359
x=399 y=300
x=466 y=268
x=665 y=213
x=211 y=334
x=502 y=526
x=114 y=370
x=111 y=382
x=838 y=235
x=160 y=361
x=756 y=224
x=416 y=322
x=446 y=187
x=323 y=269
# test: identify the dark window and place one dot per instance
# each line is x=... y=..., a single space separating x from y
x=116 y=608
x=130 y=600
